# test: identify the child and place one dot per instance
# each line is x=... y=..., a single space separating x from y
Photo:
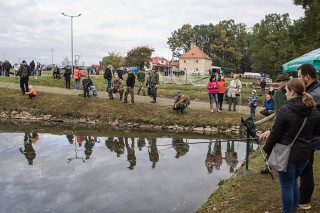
x=32 y=92
x=86 y=83
x=253 y=103
x=271 y=90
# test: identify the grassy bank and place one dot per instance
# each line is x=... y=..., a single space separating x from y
x=255 y=192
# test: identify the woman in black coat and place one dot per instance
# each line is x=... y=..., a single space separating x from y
x=287 y=124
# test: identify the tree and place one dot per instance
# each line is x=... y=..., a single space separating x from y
x=114 y=59
x=306 y=31
x=270 y=45
x=181 y=40
x=65 y=61
x=139 y=56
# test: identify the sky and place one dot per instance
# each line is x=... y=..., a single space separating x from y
x=37 y=30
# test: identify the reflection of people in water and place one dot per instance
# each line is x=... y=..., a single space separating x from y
x=131 y=155
x=214 y=158
x=110 y=144
x=231 y=156
x=181 y=147
x=141 y=143
x=80 y=139
x=119 y=146
x=153 y=152
x=70 y=138
x=29 y=152
x=88 y=146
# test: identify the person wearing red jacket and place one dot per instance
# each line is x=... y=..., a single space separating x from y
x=77 y=77
x=213 y=93
x=221 y=90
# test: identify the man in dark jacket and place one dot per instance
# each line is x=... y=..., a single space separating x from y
x=108 y=76
x=307 y=73
x=279 y=100
x=24 y=73
x=6 y=67
x=130 y=85
x=32 y=67
x=141 y=76
x=153 y=82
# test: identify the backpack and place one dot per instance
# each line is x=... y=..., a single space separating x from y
x=24 y=71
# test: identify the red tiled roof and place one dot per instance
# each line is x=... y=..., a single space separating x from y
x=195 y=53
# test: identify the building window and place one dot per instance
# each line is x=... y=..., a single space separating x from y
x=197 y=69
x=185 y=69
x=184 y=61
x=197 y=61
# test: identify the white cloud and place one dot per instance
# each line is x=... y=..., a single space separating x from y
x=29 y=29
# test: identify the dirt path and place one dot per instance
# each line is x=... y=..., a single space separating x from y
x=198 y=105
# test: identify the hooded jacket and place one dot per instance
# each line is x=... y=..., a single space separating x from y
x=314 y=90
x=288 y=123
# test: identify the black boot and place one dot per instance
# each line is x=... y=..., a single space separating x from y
x=265 y=170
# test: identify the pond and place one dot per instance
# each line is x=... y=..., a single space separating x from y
x=45 y=172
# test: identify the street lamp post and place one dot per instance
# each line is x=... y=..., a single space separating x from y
x=52 y=57
x=71 y=37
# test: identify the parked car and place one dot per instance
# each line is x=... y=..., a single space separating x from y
x=46 y=67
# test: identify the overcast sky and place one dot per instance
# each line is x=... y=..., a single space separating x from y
x=36 y=29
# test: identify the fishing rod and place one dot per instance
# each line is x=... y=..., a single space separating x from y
x=15 y=78
x=200 y=142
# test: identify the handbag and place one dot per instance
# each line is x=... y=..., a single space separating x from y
x=280 y=154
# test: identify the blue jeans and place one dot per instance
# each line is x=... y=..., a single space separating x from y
x=109 y=81
x=213 y=97
x=77 y=84
x=290 y=194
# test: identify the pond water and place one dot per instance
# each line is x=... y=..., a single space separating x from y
x=45 y=172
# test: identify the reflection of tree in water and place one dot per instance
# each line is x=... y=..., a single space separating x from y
x=214 y=158
x=141 y=143
x=29 y=152
x=181 y=147
x=110 y=144
x=131 y=155
x=153 y=151
x=231 y=156
x=88 y=146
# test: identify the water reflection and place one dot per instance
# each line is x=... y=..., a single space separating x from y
x=61 y=165
x=153 y=151
x=30 y=138
x=181 y=147
x=120 y=145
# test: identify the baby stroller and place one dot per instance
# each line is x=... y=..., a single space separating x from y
x=93 y=89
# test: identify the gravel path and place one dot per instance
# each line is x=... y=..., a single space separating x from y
x=198 y=105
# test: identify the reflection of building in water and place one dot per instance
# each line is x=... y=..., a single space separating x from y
x=70 y=138
x=28 y=151
x=231 y=156
x=131 y=155
x=214 y=158
x=153 y=151
x=141 y=143
x=181 y=147
x=88 y=146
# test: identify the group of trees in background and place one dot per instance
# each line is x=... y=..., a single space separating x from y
x=136 y=57
x=264 y=47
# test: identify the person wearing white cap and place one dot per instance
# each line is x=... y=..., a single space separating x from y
x=32 y=92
